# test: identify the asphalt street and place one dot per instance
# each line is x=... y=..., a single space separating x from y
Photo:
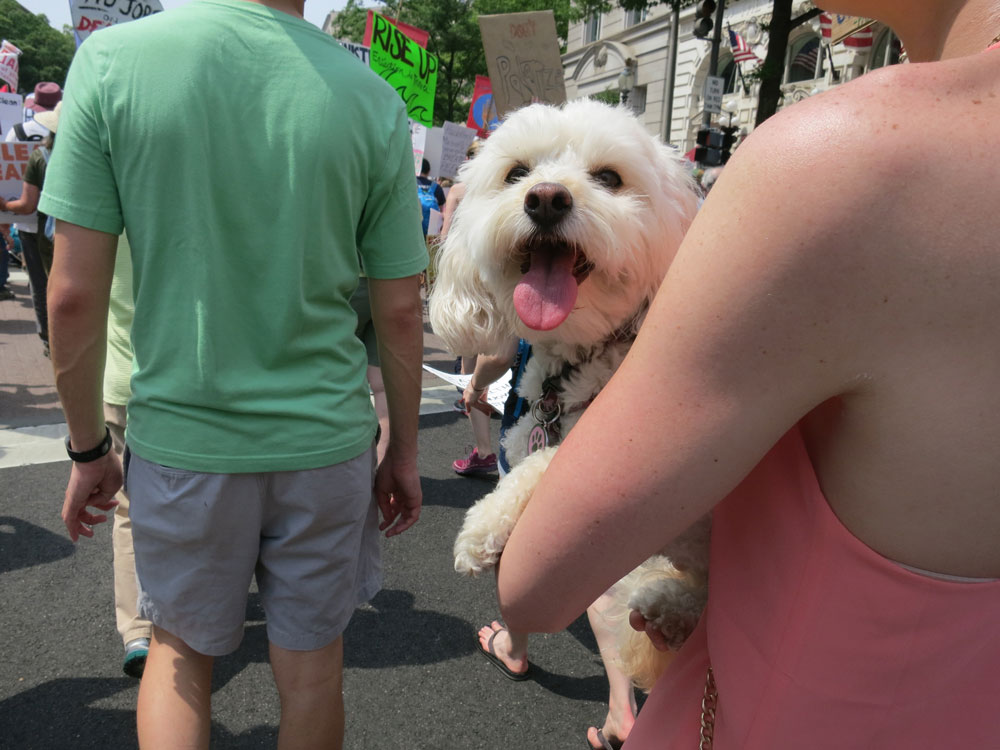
x=413 y=677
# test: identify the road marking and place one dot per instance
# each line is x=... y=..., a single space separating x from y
x=27 y=446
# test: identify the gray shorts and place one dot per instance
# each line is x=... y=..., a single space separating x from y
x=310 y=537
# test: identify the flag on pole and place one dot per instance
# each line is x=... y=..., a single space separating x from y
x=825 y=25
x=860 y=39
x=847 y=29
x=807 y=57
x=741 y=50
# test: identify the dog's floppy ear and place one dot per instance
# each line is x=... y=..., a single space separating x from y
x=462 y=311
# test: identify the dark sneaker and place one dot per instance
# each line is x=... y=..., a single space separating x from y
x=6 y=293
x=475 y=464
x=135 y=657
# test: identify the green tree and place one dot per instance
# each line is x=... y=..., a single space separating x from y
x=47 y=52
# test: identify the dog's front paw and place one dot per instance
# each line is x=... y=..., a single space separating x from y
x=673 y=605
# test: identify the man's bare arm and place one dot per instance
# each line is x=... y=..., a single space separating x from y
x=397 y=313
x=26 y=204
x=78 y=293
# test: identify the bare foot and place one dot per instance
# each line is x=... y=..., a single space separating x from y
x=601 y=740
x=509 y=652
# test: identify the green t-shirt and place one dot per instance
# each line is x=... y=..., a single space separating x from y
x=252 y=159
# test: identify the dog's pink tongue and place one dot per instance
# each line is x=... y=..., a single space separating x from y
x=545 y=296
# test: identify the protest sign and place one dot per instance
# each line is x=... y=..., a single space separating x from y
x=842 y=27
x=359 y=51
x=11 y=112
x=407 y=67
x=432 y=149
x=522 y=57
x=418 y=139
x=9 y=64
x=482 y=110
x=92 y=15
x=13 y=164
x=454 y=143
x=418 y=35
x=496 y=395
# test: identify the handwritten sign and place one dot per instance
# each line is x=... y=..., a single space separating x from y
x=360 y=51
x=93 y=15
x=454 y=143
x=13 y=164
x=11 y=112
x=9 y=64
x=522 y=56
x=407 y=67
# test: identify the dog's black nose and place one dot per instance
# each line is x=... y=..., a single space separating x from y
x=548 y=203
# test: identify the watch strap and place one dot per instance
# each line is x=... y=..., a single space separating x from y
x=82 y=457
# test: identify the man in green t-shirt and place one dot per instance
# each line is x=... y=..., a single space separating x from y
x=224 y=133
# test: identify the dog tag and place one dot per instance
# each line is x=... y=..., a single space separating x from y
x=538 y=439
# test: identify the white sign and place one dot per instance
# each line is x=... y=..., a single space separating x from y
x=713 y=94
x=496 y=395
x=454 y=143
x=11 y=112
x=432 y=149
x=13 y=164
x=360 y=51
x=418 y=136
x=92 y=15
x=9 y=64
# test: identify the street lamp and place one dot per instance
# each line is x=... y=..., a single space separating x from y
x=626 y=80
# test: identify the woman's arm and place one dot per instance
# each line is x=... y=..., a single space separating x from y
x=739 y=344
x=26 y=204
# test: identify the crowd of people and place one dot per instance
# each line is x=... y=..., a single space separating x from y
x=821 y=381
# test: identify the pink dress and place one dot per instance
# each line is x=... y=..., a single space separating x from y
x=818 y=642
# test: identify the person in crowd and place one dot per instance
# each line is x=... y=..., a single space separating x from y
x=135 y=630
x=824 y=381
x=250 y=441
x=5 y=291
x=430 y=194
x=36 y=246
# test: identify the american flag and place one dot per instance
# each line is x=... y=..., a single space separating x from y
x=741 y=50
x=859 y=39
x=807 y=56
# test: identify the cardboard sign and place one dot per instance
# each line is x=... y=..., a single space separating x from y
x=92 y=15
x=522 y=56
x=482 y=110
x=13 y=164
x=11 y=112
x=9 y=64
x=407 y=67
x=842 y=27
x=358 y=50
x=454 y=143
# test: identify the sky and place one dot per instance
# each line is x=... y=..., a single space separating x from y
x=57 y=11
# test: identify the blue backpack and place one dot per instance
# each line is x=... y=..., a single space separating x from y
x=427 y=202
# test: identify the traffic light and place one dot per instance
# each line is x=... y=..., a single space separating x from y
x=709 y=148
x=728 y=141
x=703 y=23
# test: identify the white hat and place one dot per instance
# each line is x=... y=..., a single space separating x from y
x=49 y=119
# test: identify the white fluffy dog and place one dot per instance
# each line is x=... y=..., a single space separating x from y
x=570 y=220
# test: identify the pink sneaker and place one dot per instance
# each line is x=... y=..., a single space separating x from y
x=475 y=464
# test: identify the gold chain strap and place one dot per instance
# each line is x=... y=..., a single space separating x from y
x=708 y=705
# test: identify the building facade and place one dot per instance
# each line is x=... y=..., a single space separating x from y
x=625 y=55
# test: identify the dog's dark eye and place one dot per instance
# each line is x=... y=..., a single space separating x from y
x=609 y=178
x=516 y=174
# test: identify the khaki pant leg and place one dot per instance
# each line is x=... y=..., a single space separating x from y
x=130 y=625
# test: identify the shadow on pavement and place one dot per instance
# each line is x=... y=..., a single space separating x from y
x=25 y=545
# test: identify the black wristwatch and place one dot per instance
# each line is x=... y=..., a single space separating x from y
x=82 y=457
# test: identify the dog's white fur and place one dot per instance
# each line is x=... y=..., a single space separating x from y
x=629 y=234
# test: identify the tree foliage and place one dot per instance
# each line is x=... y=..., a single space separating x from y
x=47 y=52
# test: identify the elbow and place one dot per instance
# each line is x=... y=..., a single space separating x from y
x=67 y=301
x=528 y=609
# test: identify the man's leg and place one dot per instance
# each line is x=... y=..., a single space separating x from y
x=311 y=688
x=175 y=695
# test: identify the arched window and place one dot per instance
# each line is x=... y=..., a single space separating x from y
x=729 y=74
x=805 y=59
x=886 y=51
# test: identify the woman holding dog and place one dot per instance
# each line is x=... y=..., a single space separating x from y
x=825 y=382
